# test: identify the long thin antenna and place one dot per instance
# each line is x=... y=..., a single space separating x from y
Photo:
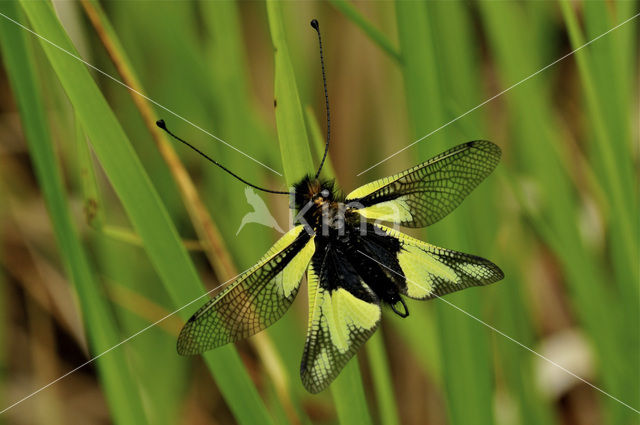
x=316 y=26
x=162 y=125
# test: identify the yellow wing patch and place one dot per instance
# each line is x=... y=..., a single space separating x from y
x=255 y=300
x=431 y=271
x=339 y=323
x=396 y=211
x=288 y=280
x=421 y=271
x=343 y=312
x=369 y=188
x=286 y=240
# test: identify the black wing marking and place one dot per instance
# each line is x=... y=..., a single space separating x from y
x=339 y=323
x=431 y=271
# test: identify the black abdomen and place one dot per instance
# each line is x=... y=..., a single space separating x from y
x=350 y=259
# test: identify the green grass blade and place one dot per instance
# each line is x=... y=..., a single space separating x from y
x=3 y=320
x=382 y=380
x=419 y=72
x=347 y=390
x=609 y=109
x=292 y=132
x=121 y=390
x=459 y=55
x=464 y=345
x=119 y=257
x=609 y=117
x=233 y=119
x=143 y=206
x=350 y=11
x=86 y=174
x=425 y=348
x=236 y=119
x=537 y=154
x=348 y=396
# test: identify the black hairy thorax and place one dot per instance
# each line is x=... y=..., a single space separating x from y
x=349 y=250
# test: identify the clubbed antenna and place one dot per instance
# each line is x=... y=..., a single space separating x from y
x=162 y=125
x=316 y=26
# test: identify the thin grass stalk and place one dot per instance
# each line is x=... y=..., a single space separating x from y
x=347 y=390
x=122 y=234
x=596 y=307
x=141 y=306
x=237 y=120
x=209 y=235
x=205 y=227
x=44 y=365
x=120 y=389
x=292 y=132
x=143 y=206
x=608 y=110
x=351 y=12
x=92 y=202
x=130 y=278
x=617 y=174
x=513 y=317
x=382 y=382
x=464 y=345
x=3 y=315
x=484 y=213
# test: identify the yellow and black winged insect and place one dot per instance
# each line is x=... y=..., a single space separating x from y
x=354 y=259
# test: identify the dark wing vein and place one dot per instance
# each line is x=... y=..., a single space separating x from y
x=428 y=192
x=431 y=271
x=254 y=301
x=339 y=323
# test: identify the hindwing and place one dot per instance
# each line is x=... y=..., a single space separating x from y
x=431 y=272
x=339 y=323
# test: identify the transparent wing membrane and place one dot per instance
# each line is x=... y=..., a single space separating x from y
x=426 y=193
x=339 y=323
x=254 y=301
x=431 y=271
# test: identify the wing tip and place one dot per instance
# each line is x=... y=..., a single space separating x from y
x=486 y=145
x=309 y=383
x=183 y=350
x=499 y=273
x=496 y=272
x=186 y=346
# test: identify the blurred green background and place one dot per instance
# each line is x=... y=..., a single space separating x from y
x=106 y=226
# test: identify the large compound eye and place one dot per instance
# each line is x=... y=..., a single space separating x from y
x=324 y=193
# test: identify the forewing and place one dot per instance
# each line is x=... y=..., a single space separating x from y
x=431 y=271
x=339 y=323
x=255 y=300
x=424 y=194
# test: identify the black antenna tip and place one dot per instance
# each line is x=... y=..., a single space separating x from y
x=161 y=124
x=315 y=25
